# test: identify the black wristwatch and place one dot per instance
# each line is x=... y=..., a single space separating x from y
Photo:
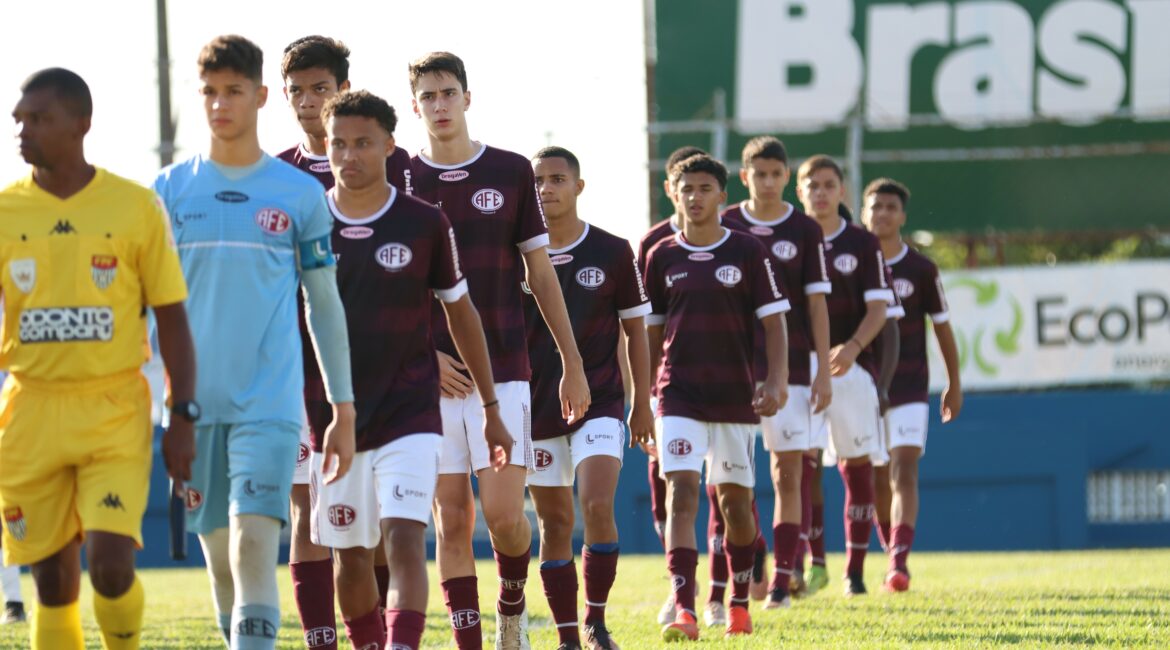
x=189 y=410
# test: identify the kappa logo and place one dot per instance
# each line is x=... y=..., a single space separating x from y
x=62 y=227
x=231 y=197
x=23 y=273
x=320 y=637
x=194 y=499
x=677 y=582
x=701 y=256
x=563 y=258
x=394 y=256
x=845 y=263
x=273 y=220
x=903 y=287
x=356 y=232
x=464 y=619
x=341 y=516
x=454 y=176
x=488 y=200
x=303 y=452
x=784 y=250
x=590 y=277
x=103 y=268
x=14 y=521
x=321 y=167
x=402 y=493
x=679 y=447
x=112 y=502
x=762 y=231
x=728 y=275
x=543 y=458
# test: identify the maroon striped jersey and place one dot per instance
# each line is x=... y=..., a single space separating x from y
x=919 y=288
x=492 y=203
x=797 y=246
x=664 y=229
x=708 y=298
x=601 y=285
x=397 y=166
x=857 y=272
x=390 y=268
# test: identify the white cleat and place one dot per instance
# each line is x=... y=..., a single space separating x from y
x=669 y=611
x=512 y=632
x=783 y=603
x=715 y=615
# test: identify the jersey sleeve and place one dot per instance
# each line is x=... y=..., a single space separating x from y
x=446 y=276
x=314 y=245
x=766 y=297
x=655 y=290
x=158 y=260
x=934 y=300
x=531 y=230
x=815 y=272
x=873 y=272
x=631 y=298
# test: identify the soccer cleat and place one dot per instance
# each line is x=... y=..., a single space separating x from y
x=818 y=579
x=669 y=611
x=13 y=613
x=739 y=621
x=797 y=587
x=896 y=581
x=779 y=599
x=758 y=590
x=854 y=585
x=597 y=637
x=569 y=646
x=684 y=628
x=715 y=615
x=512 y=632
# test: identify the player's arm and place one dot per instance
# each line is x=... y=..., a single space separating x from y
x=842 y=357
x=952 y=396
x=655 y=333
x=327 y=329
x=467 y=332
x=773 y=394
x=891 y=350
x=542 y=280
x=818 y=315
x=178 y=353
x=638 y=353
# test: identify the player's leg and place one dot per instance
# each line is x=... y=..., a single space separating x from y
x=216 y=547
x=731 y=466
x=908 y=424
x=715 y=613
x=853 y=427
x=310 y=565
x=657 y=482
x=683 y=444
x=13 y=599
x=597 y=456
x=787 y=436
x=883 y=494
x=551 y=488
x=207 y=516
x=57 y=617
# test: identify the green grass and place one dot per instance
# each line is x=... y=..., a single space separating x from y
x=1106 y=599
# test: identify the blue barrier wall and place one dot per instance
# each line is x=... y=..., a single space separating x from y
x=1010 y=474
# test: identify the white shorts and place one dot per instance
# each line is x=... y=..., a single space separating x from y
x=394 y=481
x=729 y=449
x=304 y=452
x=556 y=459
x=904 y=426
x=791 y=428
x=853 y=417
x=464 y=448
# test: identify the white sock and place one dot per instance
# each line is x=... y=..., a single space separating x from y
x=10 y=583
x=255 y=546
x=217 y=553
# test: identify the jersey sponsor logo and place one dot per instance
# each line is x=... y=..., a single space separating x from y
x=846 y=264
x=728 y=275
x=762 y=231
x=406 y=181
x=563 y=258
x=194 y=499
x=341 y=516
x=356 y=232
x=103 y=268
x=641 y=285
x=230 y=196
x=488 y=200
x=66 y=324
x=464 y=619
x=23 y=273
x=317 y=253
x=454 y=175
x=525 y=288
x=394 y=256
x=454 y=252
x=590 y=277
x=671 y=279
x=542 y=457
x=14 y=521
x=701 y=256
x=903 y=287
x=62 y=227
x=784 y=250
x=182 y=218
x=272 y=220
x=401 y=493
x=319 y=637
x=771 y=278
x=321 y=167
x=679 y=447
x=592 y=438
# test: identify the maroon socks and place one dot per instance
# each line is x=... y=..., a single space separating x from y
x=513 y=573
x=599 y=564
x=560 y=588
x=859 y=512
x=681 y=563
x=785 y=539
x=404 y=628
x=367 y=631
x=462 y=598
x=903 y=539
x=313 y=593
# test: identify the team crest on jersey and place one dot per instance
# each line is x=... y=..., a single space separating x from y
x=488 y=200
x=762 y=231
x=904 y=288
x=784 y=250
x=563 y=258
x=454 y=176
x=194 y=499
x=590 y=277
x=103 y=268
x=728 y=275
x=394 y=256
x=542 y=458
x=273 y=221
x=14 y=520
x=845 y=263
x=23 y=273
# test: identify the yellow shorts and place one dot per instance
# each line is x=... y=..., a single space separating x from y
x=74 y=457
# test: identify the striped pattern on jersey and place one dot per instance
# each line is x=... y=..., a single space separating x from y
x=919 y=287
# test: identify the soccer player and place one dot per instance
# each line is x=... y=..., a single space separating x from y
x=490 y=197
x=315 y=69
x=919 y=288
x=797 y=247
x=84 y=253
x=707 y=286
x=857 y=314
x=249 y=229
x=603 y=291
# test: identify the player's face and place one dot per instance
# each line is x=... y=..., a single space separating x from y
x=557 y=186
x=441 y=102
x=699 y=195
x=820 y=192
x=306 y=92
x=357 y=148
x=47 y=131
x=765 y=179
x=883 y=214
x=231 y=102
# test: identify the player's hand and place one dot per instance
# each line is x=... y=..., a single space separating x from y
x=822 y=390
x=771 y=396
x=499 y=441
x=842 y=357
x=178 y=449
x=339 y=446
x=575 y=397
x=453 y=379
x=650 y=447
x=952 y=403
x=641 y=425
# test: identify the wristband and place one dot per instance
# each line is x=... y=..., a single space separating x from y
x=491 y=404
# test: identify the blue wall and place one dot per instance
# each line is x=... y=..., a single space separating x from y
x=1009 y=474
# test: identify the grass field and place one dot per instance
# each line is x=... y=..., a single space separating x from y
x=1104 y=599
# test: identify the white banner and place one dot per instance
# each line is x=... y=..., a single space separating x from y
x=1031 y=327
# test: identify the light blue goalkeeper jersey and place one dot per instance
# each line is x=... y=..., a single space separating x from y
x=244 y=236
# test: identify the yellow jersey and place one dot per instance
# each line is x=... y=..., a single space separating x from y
x=77 y=275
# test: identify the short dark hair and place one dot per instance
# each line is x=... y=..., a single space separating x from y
x=681 y=154
x=764 y=146
x=316 y=51
x=436 y=62
x=700 y=163
x=888 y=186
x=560 y=152
x=361 y=103
x=69 y=87
x=232 y=52
x=817 y=163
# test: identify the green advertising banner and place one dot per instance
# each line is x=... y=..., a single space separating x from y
x=1013 y=115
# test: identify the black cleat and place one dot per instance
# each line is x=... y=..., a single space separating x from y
x=854 y=585
x=569 y=646
x=13 y=613
x=597 y=637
